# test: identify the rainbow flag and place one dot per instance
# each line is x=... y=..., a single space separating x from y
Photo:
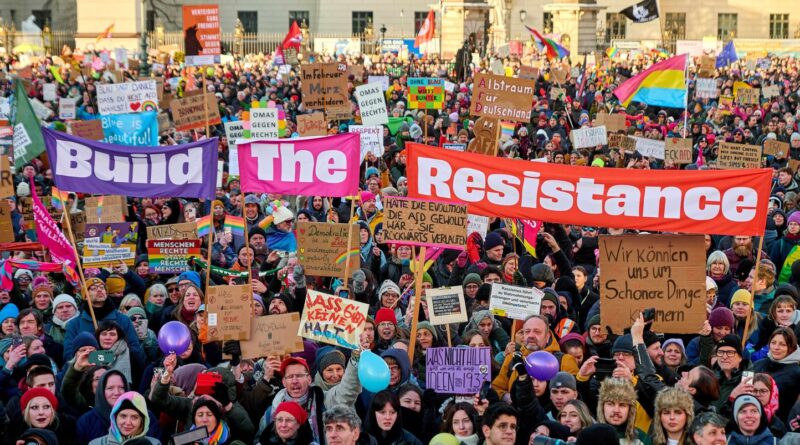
x=506 y=130
x=265 y=222
x=663 y=84
x=612 y=52
x=553 y=49
x=105 y=34
x=235 y=224
x=57 y=201
x=203 y=226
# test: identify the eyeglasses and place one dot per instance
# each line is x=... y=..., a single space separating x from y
x=137 y=318
x=588 y=229
x=761 y=392
x=296 y=376
x=725 y=353
x=173 y=289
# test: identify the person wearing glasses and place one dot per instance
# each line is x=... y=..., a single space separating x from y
x=765 y=390
x=729 y=366
x=500 y=423
x=782 y=364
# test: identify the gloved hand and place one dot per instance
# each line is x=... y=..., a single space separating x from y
x=299 y=276
x=359 y=281
x=221 y=394
x=461 y=260
x=517 y=364
x=233 y=348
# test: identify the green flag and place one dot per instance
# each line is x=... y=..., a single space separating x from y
x=56 y=74
x=395 y=123
x=28 y=141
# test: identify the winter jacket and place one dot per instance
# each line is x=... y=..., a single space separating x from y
x=502 y=382
x=726 y=286
x=786 y=373
x=84 y=323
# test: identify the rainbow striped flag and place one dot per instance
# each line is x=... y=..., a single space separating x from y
x=203 y=226
x=57 y=201
x=663 y=84
x=553 y=49
x=506 y=130
x=235 y=224
x=612 y=52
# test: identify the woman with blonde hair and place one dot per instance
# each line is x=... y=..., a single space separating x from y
x=674 y=411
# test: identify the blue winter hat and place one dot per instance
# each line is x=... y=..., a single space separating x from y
x=85 y=339
x=190 y=275
x=9 y=311
x=371 y=171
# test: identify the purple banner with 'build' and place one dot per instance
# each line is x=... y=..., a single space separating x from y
x=177 y=171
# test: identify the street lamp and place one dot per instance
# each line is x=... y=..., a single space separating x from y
x=522 y=14
x=47 y=38
x=383 y=35
x=238 y=36
x=304 y=32
x=144 y=68
x=601 y=35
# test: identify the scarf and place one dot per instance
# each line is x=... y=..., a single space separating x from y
x=152 y=308
x=308 y=402
x=219 y=435
x=772 y=406
x=122 y=358
x=188 y=315
x=63 y=324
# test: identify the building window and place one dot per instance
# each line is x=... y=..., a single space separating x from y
x=300 y=17
x=675 y=25
x=419 y=19
x=727 y=26
x=547 y=22
x=249 y=20
x=150 y=21
x=615 y=26
x=360 y=21
x=42 y=17
x=779 y=26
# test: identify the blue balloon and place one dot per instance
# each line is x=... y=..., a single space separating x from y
x=373 y=372
x=541 y=365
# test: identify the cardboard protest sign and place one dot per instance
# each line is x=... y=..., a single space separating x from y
x=424 y=223
x=621 y=142
x=477 y=223
x=312 y=124
x=264 y=123
x=6 y=227
x=201 y=34
x=426 y=93
x=78 y=222
x=665 y=272
x=500 y=97
x=371 y=139
x=92 y=129
x=560 y=73
x=457 y=370
x=228 y=312
x=794 y=164
x=771 y=91
x=557 y=93
x=67 y=108
x=372 y=104
x=108 y=208
x=649 y=147
x=191 y=112
x=127 y=97
x=748 y=96
x=735 y=156
x=383 y=81
x=706 y=88
x=485 y=140
x=6 y=178
x=322 y=248
x=515 y=302
x=528 y=72
x=678 y=150
x=324 y=87
x=446 y=305
x=106 y=244
x=272 y=335
x=772 y=147
x=706 y=66
x=180 y=231
x=588 y=137
x=169 y=256
x=454 y=146
x=612 y=122
x=333 y=320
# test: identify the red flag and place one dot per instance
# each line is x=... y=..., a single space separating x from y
x=426 y=30
x=105 y=34
x=293 y=38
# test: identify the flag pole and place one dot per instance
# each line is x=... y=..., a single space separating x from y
x=78 y=266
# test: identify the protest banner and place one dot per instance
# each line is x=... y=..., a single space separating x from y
x=201 y=34
x=312 y=124
x=6 y=228
x=621 y=142
x=190 y=112
x=477 y=223
x=106 y=244
x=706 y=88
x=322 y=248
x=557 y=93
x=92 y=130
x=649 y=147
x=747 y=96
x=650 y=200
x=425 y=93
x=169 y=256
x=486 y=130
x=446 y=305
x=50 y=235
x=772 y=147
x=370 y=137
x=612 y=122
x=272 y=335
x=134 y=129
x=325 y=166
x=333 y=320
x=6 y=178
x=228 y=311
x=457 y=370
x=264 y=123
x=515 y=302
x=678 y=150
x=706 y=66
x=771 y=91
x=372 y=104
x=383 y=81
x=49 y=92
x=424 y=223
x=665 y=272
x=324 y=87
x=127 y=97
x=588 y=137
x=736 y=156
x=67 y=108
x=454 y=146
x=109 y=208
x=529 y=72
x=180 y=231
x=502 y=97
x=178 y=171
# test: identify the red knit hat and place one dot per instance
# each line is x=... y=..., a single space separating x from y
x=38 y=392
x=385 y=314
x=294 y=409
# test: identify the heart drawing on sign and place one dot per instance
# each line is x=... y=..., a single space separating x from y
x=135 y=105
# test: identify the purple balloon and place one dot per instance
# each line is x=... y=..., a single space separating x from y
x=174 y=338
x=541 y=365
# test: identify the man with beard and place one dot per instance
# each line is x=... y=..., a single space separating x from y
x=617 y=407
x=742 y=249
x=279 y=304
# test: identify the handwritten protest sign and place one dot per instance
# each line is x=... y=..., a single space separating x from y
x=665 y=272
x=272 y=335
x=485 y=141
x=92 y=129
x=190 y=112
x=169 y=256
x=312 y=124
x=424 y=223
x=678 y=150
x=735 y=156
x=127 y=97
x=229 y=311
x=772 y=147
x=333 y=320
x=106 y=244
x=529 y=72
x=457 y=370
x=49 y=92
x=771 y=91
x=67 y=108
x=6 y=228
x=706 y=88
x=706 y=66
x=557 y=93
x=324 y=87
x=322 y=248
x=426 y=93
x=747 y=96
x=178 y=231
x=371 y=138
x=649 y=147
x=446 y=305
x=612 y=122
x=477 y=223
x=6 y=178
x=621 y=142
x=502 y=97
x=264 y=123
x=514 y=302
x=372 y=104
x=588 y=137
x=726 y=100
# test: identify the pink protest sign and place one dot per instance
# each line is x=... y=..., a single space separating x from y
x=325 y=166
x=50 y=235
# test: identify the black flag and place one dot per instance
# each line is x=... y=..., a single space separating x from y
x=642 y=12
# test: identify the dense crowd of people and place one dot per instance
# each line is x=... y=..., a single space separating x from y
x=734 y=381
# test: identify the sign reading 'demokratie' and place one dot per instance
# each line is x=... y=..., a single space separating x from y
x=425 y=223
x=333 y=320
x=322 y=248
x=502 y=97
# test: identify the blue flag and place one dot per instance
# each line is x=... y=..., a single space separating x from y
x=727 y=55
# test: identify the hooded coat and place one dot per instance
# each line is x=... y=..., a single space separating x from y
x=619 y=390
x=786 y=373
x=498 y=337
x=114 y=436
x=762 y=435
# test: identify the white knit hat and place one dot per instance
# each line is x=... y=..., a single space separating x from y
x=64 y=298
x=282 y=214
